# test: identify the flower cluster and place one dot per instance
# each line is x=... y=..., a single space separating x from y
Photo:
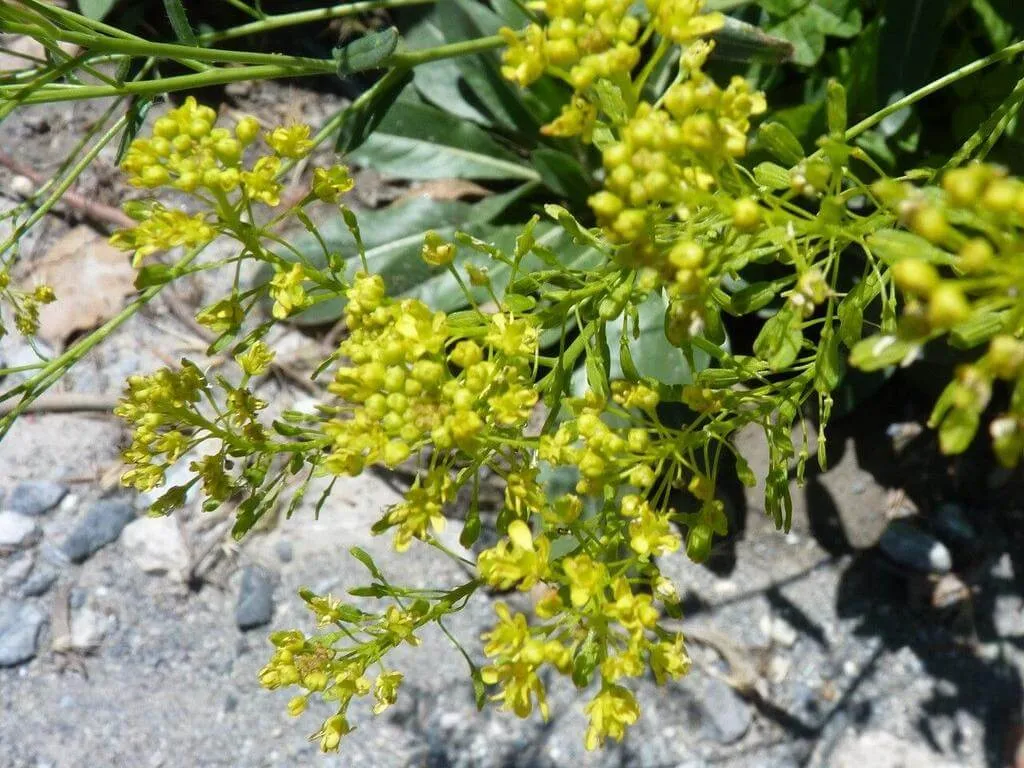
x=316 y=666
x=961 y=276
x=410 y=381
x=25 y=304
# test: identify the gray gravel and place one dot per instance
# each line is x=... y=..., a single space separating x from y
x=255 y=606
x=101 y=525
x=36 y=497
x=19 y=631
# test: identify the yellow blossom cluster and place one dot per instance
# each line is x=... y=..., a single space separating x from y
x=409 y=381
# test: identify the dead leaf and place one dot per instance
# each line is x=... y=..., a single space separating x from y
x=91 y=279
x=447 y=189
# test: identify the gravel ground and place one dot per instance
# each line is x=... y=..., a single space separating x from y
x=122 y=639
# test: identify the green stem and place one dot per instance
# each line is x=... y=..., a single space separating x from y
x=937 y=85
x=304 y=17
x=464 y=48
x=168 y=84
x=173 y=50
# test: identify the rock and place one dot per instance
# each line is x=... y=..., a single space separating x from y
x=284 y=551
x=19 y=631
x=726 y=716
x=89 y=627
x=255 y=606
x=952 y=524
x=778 y=631
x=36 y=497
x=19 y=570
x=910 y=546
x=156 y=545
x=101 y=525
x=16 y=531
x=39 y=583
x=878 y=749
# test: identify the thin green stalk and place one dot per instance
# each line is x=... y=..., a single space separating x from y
x=173 y=50
x=164 y=85
x=282 y=20
x=465 y=48
x=937 y=85
x=69 y=17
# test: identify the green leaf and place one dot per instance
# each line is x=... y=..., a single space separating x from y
x=895 y=245
x=95 y=9
x=364 y=115
x=563 y=175
x=367 y=52
x=772 y=176
x=739 y=41
x=851 y=308
x=364 y=557
x=780 y=340
x=957 y=430
x=417 y=141
x=179 y=22
x=780 y=142
x=877 y=352
x=650 y=353
x=827 y=371
x=806 y=24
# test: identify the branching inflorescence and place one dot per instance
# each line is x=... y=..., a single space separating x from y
x=824 y=240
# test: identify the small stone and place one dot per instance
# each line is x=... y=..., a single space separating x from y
x=88 y=628
x=39 y=583
x=19 y=570
x=19 y=631
x=879 y=749
x=910 y=546
x=726 y=716
x=778 y=631
x=22 y=186
x=156 y=545
x=16 y=531
x=778 y=669
x=283 y=548
x=230 y=703
x=101 y=525
x=36 y=497
x=255 y=606
x=951 y=522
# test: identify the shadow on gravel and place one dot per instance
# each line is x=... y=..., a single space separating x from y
x=958 y=641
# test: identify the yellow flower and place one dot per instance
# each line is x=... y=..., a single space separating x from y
x=669 y=660
x=290 y=141
x=256 y=359
x=587 y=578
x=385 y=690
x=287 y=292
x=612 y=711
x=162 y=230
x=329 y=184
x=437 y=251
x=518 y=560
x=260 y=183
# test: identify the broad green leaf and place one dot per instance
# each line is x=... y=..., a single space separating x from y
x=481 y=73
x=772 y=176
x=739 y=41
x=418 y=141
x=364 y=115
x=95 y=9
x=807 y=23
x=563 y=175
x=367 y=52
x=440 y=82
